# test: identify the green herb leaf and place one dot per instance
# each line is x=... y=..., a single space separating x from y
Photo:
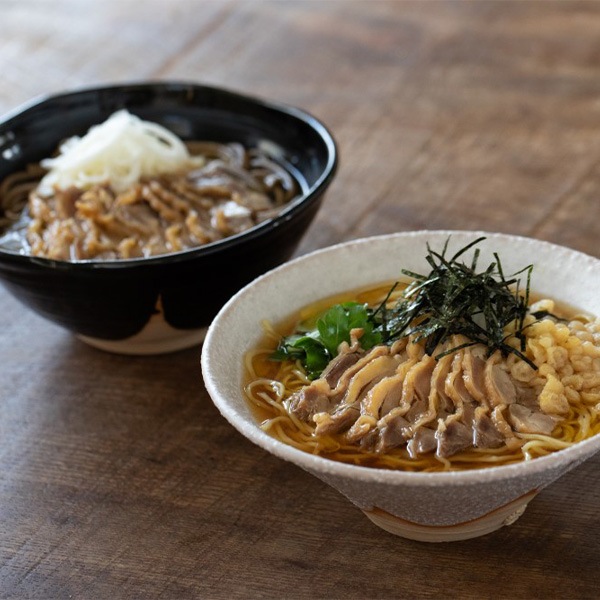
x=335 y=325
x=313 y=355
x=316 y=357
x=317 y=347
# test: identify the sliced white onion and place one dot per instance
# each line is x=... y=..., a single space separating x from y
x=119 y=151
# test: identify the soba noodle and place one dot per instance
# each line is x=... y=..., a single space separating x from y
x=130 y=188
x=567 y=354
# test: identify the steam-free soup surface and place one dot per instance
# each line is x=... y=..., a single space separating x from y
x=395 y=405
x=130 y=188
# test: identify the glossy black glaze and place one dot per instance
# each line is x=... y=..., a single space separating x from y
x=114 y=300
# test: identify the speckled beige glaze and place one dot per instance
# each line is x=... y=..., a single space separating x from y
x=437 y=506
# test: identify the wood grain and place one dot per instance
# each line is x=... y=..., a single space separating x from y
x=118 y=478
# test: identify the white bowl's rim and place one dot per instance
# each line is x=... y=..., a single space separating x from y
x=320 y=465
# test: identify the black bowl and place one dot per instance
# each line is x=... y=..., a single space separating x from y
x=164 y=302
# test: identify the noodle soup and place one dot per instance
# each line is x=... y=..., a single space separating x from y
x=451 y=502
x=130 y=188
x=415 y=404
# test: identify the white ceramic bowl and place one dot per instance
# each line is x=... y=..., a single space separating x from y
x=424 y=506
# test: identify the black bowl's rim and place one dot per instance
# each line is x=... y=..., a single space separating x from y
x=296 y=207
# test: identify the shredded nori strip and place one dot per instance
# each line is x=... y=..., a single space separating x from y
x=456 y=299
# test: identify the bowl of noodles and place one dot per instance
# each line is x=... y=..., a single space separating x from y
x=437 y=379
x=130 y=213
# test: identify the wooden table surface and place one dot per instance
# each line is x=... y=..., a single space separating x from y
x=118 y=477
